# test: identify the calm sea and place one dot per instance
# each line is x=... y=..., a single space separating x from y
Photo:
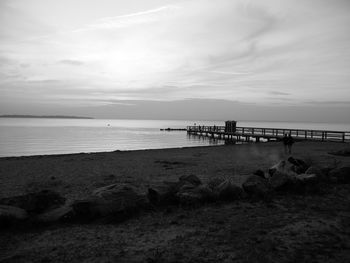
x=20 y=137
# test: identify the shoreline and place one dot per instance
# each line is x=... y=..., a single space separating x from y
x=104 y=152
x=279 y=143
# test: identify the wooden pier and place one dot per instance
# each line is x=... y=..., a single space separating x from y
x=254 y=134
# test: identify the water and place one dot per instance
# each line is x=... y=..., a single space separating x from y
x=19 y=137
x=22 y=137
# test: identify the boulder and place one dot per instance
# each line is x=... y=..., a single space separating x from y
x=282 y=167
x=61 y=214
x=256 y=186
x=298 y=165
x=299 y=183
x=306 y=183
x=86 y=209
x=117 y=201
x=229 y=191
x=113 y=190
x=280 y=181
x=35 y=202
x=207 y=193
x=188 y=194
x=340 y=175
x=307 y=178
x=164 y=193
x=189 y=198
x=11 y=214
x=192 y=195
x=193 y=179
x=214 y=182
x=273 y=169
x=186 y=187
x=260 y=173
x=124 y=196
x=317 y=171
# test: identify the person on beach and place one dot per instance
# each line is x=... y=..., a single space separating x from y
x=290 y=142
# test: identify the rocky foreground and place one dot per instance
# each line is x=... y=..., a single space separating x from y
x=295 y=210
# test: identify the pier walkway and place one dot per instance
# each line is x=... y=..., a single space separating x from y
x=268 y=134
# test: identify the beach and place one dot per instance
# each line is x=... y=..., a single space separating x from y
x=289 y=228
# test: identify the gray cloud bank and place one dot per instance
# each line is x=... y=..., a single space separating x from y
x=191 y=109
x=273 y=59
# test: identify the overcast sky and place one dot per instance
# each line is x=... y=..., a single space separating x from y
x=269 y=60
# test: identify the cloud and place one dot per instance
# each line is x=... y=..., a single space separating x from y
x=142 y=13
x=18 y=25
x=71 y=62
x=280 y=93
x=345 y=103
x=228 y=73
x=5 y=61
x=259 y=52
x=127 y=20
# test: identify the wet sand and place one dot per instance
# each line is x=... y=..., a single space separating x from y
x=289 y=228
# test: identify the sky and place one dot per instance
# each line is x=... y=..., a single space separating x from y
x=283 y=60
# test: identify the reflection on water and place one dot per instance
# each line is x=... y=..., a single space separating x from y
x=207 y=139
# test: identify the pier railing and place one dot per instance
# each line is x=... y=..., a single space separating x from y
x=276 y=133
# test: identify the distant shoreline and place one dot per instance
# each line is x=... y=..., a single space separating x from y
x=45 y=116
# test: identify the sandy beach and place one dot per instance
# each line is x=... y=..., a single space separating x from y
x=289 y=228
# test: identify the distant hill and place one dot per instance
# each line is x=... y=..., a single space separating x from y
x=44 y=116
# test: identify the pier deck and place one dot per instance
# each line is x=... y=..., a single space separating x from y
x=256 y=134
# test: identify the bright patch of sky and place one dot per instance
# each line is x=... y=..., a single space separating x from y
x=89 y=52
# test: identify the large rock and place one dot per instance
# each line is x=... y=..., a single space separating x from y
x=207 y=194
x=113 y=191
x=298 y=165
x=340 y=175
x=256 y=186
x=164 y=193
x=280 y=181
x=125 y=196
x=86 y=209
x=61 y=214
x=260 y=173
x=35 y=202
x=307 y=183
x=299 y=183
x=317 y=171
x=193 y=179
x=307 y=178
x=214 y=182
x=11 y=214
x=229 y=191
x=282 y=167
x=117 y=201
x=189 y=194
